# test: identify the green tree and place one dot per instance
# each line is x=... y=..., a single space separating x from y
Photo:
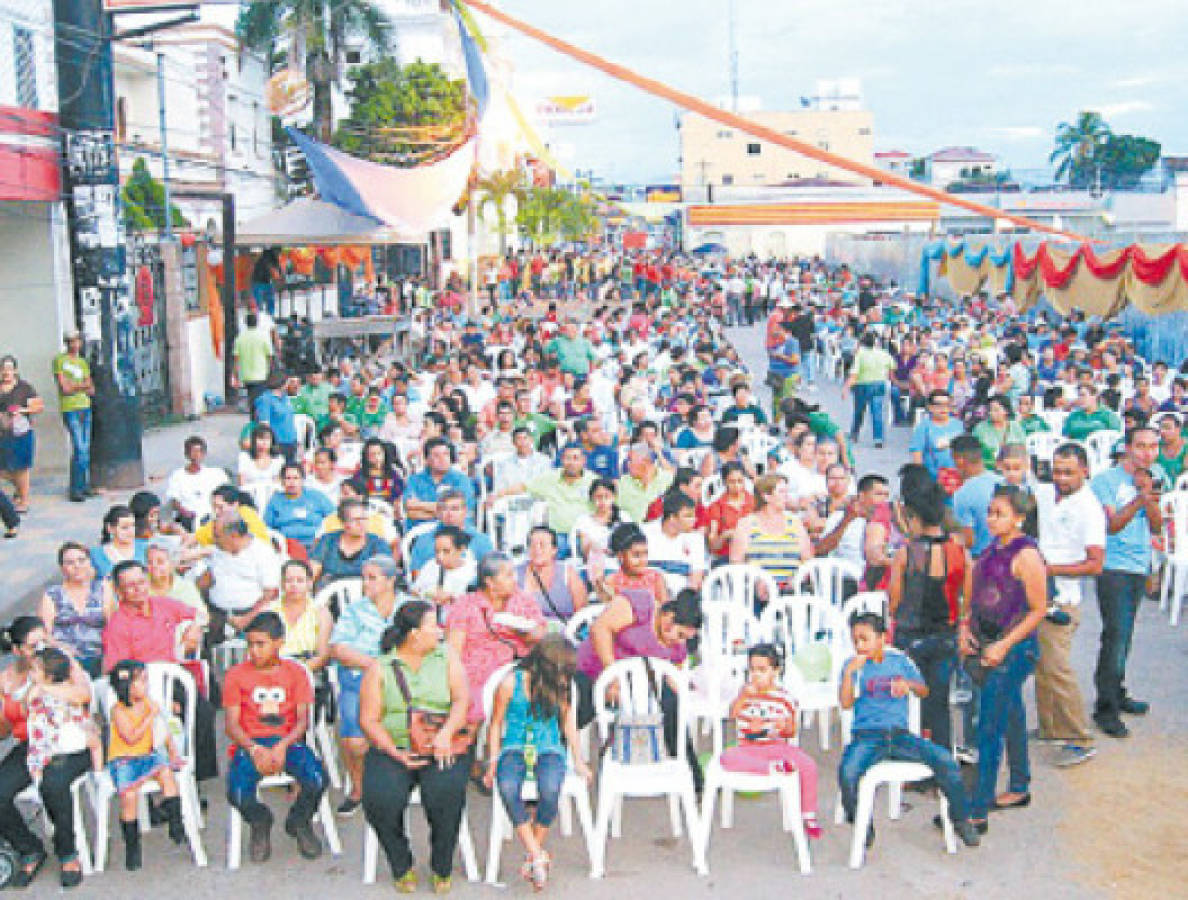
x=492 y=193
x=1125 y=158
x=549 y=214
x=387 y=96
x=144 y=201
x=1078 y=145
x=319 y=30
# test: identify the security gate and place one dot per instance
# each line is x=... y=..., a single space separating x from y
x=147 y=339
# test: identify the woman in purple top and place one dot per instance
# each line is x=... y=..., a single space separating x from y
x=1009 y=599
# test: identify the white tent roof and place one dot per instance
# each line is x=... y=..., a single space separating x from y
x=310 y=221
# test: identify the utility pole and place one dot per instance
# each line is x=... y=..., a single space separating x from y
x=733 y=61
x=164 y=144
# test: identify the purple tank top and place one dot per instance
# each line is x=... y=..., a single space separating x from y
x=999 y=601
x=637 y=639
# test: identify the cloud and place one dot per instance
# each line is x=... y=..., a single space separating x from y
x=1138 y=81
x=1031 y=70
x=1015 y=132
x=1125 y=107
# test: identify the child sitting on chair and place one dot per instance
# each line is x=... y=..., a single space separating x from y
x=136 y=722
x=764 y=715
x=875 y=683
x=267 y=700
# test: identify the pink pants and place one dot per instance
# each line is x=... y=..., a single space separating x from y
x=757 y=759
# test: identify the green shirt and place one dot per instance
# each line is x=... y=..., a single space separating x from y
x=634 y=499
x=252 y=351
x=313 y=400
x=568 y=501
x=538 y=425
x=428 y=688
x=574 y=355
x=76 y=369
x=992 y=439
x=1173 y=465
x=1033 y=425
x=1080 y=424
x=872 y=365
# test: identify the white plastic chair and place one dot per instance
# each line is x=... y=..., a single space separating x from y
x=410 y=538
x=1182 y=482
x=1174 y=507
x=864 y=602
x=759 y=445
x=377 y=506
x=670 y=777
x=1054 y=419
x=727 y=631
x=825 y=577
x=371 y=845
x=307 y=431
x=894 y=774
x=1100 y=447
x=261 y=493
x=691 y=457
x=719 y=779
x=1041 y=445
x=325 y=813
x=32 y=798
x=573 y=788
x=511 y=519
x=740 y=584
x=161 y=678
x=796 y=622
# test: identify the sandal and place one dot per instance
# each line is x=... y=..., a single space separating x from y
x=407 y=883
x=30 y=865
x=10 y=533
x=442 y=885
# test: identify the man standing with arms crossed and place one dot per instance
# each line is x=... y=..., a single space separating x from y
x=1072 y=539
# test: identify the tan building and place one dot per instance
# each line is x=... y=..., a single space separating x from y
x=712 y=154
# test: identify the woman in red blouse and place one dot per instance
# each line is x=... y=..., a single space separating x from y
x=725 y=512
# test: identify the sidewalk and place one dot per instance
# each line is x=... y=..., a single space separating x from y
x=29 y=563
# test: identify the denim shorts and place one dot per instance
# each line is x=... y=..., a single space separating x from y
x=349 y=681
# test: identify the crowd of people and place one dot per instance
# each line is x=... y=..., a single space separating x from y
x=410 y=547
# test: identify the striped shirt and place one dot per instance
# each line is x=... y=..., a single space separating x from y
x=778 y=553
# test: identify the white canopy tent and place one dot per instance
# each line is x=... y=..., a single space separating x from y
x=307 y=221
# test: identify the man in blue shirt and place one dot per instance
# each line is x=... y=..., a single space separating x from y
x=876 y=683
x=1131 y=501
x=971 y=502
x=932 y=439
x=784 y=360
x=295 y=512
x=423 y=489
x=602 y=451
x=274 y=410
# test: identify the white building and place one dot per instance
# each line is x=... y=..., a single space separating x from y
x=217 y=123
x=36 y=292
x=952 y=164
x=897 y=162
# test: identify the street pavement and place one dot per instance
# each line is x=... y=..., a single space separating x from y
x=1108 y=828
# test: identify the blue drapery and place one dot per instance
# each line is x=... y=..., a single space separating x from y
x=973 y=258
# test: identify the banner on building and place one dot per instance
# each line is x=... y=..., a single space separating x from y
x=662 y=193
x=569 y=109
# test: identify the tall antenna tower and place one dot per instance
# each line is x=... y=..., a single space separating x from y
x=733 y=61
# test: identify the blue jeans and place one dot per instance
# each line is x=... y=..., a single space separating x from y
x=898 y=415
x=871 y=746
x=78 y=424
x=300 y=762
x=934 y=654
x=808 y=371
x=1002 y=720
x=868 y=395
x=1118 y=598
x=510 y=775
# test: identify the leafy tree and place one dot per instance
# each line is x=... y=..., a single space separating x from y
x=548 y=214
x=1125 y=158
x=492 y=192
x=386 y=97
x=1078 y=145
x=318 y=30
x=144 y=201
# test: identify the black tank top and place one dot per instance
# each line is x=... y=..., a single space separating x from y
x=923 y=605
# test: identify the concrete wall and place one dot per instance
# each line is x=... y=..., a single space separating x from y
x=35 y=308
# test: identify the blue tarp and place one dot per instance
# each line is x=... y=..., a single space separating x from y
x=973 y=258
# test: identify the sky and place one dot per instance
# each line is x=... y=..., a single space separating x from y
x=998 y=76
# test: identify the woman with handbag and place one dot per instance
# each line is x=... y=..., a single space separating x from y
x=557 y=587
x=412 y=708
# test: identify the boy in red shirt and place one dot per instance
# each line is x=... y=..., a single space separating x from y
x=267 y=701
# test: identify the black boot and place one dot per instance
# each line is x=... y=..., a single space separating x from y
x=131 y=844
x=171 y=808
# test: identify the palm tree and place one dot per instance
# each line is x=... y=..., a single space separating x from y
x=1077 y=146
x=317 y=31
x=494 y=191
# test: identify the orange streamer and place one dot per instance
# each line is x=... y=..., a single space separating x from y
x=694 y=104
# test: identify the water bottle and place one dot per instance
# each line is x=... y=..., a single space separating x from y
x=960 y=687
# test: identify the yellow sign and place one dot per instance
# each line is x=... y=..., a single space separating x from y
x=570 y=109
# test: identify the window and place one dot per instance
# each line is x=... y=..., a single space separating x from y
x=864 y=131
x=753 y=149
x=25 y=64
x=791 y=133
x=725 y=133
x=824 y=145
x=727 y=179
x=353 y=57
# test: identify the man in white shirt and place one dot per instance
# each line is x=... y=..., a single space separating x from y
x=1072 y=538
x=243 y=574
x=675 y=547
x=189 y=488
x=511 y=475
